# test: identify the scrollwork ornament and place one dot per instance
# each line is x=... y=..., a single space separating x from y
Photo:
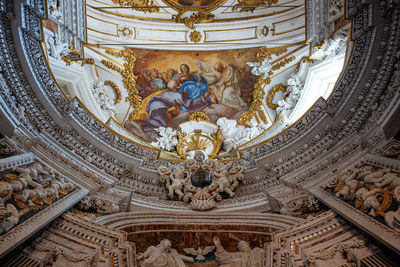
x=129 y=79
x=200 y=16
x=140 y=5
x=251 y=5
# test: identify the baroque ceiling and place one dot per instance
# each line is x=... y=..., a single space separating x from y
x=260 y=126
x=181 y=76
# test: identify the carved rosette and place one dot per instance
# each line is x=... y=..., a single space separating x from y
x=201 y=183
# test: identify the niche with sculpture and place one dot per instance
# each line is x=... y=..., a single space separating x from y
x=163 y=255
x=373 y=190
x=201 y=182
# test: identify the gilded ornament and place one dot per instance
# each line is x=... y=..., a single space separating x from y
x=265 y=31
x=217 y=144
x=204 y=5
x=319 y=45
x=262 y=81
x=198 y=141
x=128 y=78
x=140 y=5
x=251 y=5
x=74 y=55
x=200 y=16
x=116 y=90
x=125 y=31
x=271 y=94
x=195 y=36
x=199 y=116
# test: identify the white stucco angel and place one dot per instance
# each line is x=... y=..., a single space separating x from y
x=225 y=82
x=167 y=138
x=369 y=199
x=235 y=136
x=258 y=68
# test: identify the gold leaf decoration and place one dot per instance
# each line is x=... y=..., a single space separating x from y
x=258 y=93
x=265 y=31
x=116 y=90
x=199 y=116
x=251 y=5
x=200 y=17
x=128 y=78
x=271 y=95
x=140 y=5
x=195 y=36
x=217 y=144
x=198 y=141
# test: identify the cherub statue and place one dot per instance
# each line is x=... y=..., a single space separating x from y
x=244 y=257
x=32 y=197
x=9 y=217
x=390 y=178
x=223 y=182
x=174 y=178
x=6 y=191
x=235 y=174
x=31 y=174
x=372 y=177
x=162 y=256
x=58 y=184
x=369 y=199
x=392 y=218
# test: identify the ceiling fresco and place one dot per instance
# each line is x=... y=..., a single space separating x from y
x=191 y=83
x=221 y=75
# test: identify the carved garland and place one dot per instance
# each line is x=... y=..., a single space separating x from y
x=116 y=90
x=129 y=79
x=271 y=95
x=258 y=92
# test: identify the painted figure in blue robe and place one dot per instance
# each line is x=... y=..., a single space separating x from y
x=190 y=85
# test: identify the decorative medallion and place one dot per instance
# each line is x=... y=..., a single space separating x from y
x=195 y=36
x=125 y=31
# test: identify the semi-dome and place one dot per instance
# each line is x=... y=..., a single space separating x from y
x=143 y=130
